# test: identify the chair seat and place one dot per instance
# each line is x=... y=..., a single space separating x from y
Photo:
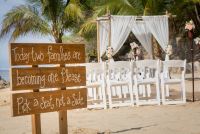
x=116 y=82
x=167 y=81
x=147 y=81
x=94 y=84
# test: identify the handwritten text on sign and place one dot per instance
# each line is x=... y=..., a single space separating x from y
x=48 y=101
x=48 y=77
x=34 y=54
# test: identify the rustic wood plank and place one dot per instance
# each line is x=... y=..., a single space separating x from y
x=62 y=117
x=63 y=125
x=48 y=77
x=48 y=101
x=35 y=118
x=36 y=124
x=46 y=53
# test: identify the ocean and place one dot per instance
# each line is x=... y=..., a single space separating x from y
x=4 y=73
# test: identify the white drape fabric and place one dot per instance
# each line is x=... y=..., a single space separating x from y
x=143 y=35
x=121 y=26
x=104 y=36
x=119 y=31
x=158 y=25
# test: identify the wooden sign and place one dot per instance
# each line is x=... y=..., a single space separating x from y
x=48 y=101
x=48 y=77
x=46 y=53
x=36 y=77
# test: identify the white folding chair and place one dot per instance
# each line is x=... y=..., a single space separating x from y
x=146 y=73
x=175 y=79
x=119 y=84
x=96 y=85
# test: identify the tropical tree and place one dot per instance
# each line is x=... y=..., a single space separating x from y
x=44 y=17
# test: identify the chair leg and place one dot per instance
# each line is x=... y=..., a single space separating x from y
x=148 y=90
x=125 y=91
x=104 y=96
x=167 y=91
x=113 y=91
x=158 y=92
x=140 y=89
x=100 y=93
x=110 y=96
x=183 y=91
x=131 y=94
x=119 y=92
x=143 y=91
x=163 y=92
x=136 y=94
x=95 y=93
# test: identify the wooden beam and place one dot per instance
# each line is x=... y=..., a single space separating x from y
x=46 y=53
x=62 y=117
x=109 y=30
x=98 y=43
x=48 y=101
x=35 y=118
x=48 y=77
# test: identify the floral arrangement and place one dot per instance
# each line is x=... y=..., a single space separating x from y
x=109 y=52
x=135 y=51
x=168 y=49
x=197 y=41
x=189 y=25
x=134 y=45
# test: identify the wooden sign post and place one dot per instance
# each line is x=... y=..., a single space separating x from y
x=37 y=78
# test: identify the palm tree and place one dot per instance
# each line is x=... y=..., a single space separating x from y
x=44 y=17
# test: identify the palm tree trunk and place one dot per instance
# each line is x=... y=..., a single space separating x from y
x=58 y=40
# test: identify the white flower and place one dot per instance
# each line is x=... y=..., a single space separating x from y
x=189 y=25
x=197 y=40
x=169 y=49
x=109 y=52
x=134 y=45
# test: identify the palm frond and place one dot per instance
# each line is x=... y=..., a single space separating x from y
x=22 y=20
x=73 y=11
x=88 y=27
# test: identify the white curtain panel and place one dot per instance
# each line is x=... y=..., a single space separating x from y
x=103 y=36
x=143 y=35
x=119 y=31
x=158 y=25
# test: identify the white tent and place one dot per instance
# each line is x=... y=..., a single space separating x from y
x=114 y=31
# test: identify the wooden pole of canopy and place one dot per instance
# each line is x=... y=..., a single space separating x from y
x=109 y=17
x=104 y=18
x=98 y=42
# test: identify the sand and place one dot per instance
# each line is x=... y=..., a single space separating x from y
x=169 y=119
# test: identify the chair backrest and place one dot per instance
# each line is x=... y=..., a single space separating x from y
x=173 y=65
x=147 y=63
x=119 y=70
x=146 y=68
x=95 y=71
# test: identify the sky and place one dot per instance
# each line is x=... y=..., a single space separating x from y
x=5 y=6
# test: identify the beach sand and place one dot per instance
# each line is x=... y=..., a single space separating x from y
x=168 y=119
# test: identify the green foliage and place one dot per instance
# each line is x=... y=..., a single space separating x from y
x=46 y=17
x=22 y=20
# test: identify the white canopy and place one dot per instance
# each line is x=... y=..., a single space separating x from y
x=121 y=26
